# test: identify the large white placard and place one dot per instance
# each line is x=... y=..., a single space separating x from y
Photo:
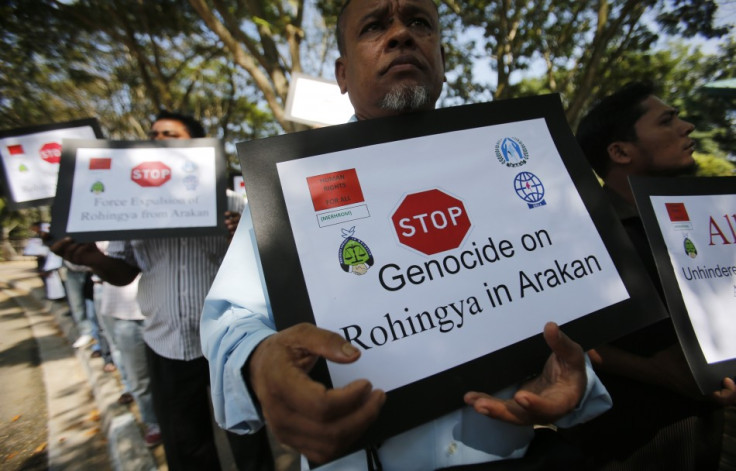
x=525 y=248
x=119 y=189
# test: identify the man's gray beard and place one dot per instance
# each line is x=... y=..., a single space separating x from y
x=406 y=98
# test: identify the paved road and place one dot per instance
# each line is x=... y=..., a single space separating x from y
x=43 y=386
x=58 y=409
x=22 y=393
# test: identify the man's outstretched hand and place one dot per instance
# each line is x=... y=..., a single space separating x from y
x=318 y=422
x=547 y=397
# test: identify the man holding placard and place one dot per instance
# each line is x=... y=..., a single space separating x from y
x=175 y=274
x=659 y=415
x=391 y=63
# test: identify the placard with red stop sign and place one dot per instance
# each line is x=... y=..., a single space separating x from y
x=30 y=159
x=476 y=226
x=118 y=190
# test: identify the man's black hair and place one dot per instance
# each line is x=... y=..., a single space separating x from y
x=340 y=34
x=612 y=119
x=194 y=127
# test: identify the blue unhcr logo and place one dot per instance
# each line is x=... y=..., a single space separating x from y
x=529 y=188
x=511 y=152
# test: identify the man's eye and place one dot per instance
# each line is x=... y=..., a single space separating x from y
x=419 y=22
x=371 y=27
x=669 y=118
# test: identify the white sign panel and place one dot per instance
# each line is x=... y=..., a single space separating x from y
x=317 y=101
x=124 y=189
x=31 y=160
x=115 y=190
x=700 y=234
x=436 y=263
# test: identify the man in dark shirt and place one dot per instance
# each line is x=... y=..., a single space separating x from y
x=659 y=419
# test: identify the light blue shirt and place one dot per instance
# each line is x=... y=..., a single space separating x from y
x=237 y=317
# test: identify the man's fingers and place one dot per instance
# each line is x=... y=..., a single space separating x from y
x=727 y=395
x=506 y=410
x=60 y=246
x=561 y=345
x=321 y=342
x=358 y=396
x=304 y=414
x=322 y=436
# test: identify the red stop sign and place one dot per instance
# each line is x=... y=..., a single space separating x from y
x=51 y=152
x=431 y=221
x=150 y=174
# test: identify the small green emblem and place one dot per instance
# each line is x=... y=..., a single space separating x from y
x=690 y=249
x=355 y=256
x=97 y=188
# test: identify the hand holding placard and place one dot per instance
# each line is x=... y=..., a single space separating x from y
x=547 y=397
x=324 y=423
x=112 y=270
x=319 y=423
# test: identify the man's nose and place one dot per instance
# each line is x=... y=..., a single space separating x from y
x=688 y=127
x=399 y=35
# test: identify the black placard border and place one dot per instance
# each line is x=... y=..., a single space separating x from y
x=708 y=376
x=62 y=201
x=441 y=393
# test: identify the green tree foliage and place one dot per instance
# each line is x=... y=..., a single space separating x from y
x=267 y=40
x=680 y=72
x=578 y=40
x=122 y=61
x=710 y=165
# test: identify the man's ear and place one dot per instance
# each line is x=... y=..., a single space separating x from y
x=340 y=75
x=619 y=152
x=442 y=53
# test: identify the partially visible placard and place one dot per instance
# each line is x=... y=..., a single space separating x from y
x=31 y=157
x=238 y=185
x=691 y=226
x=316 y=101
x=118 y=190
x=439 y=244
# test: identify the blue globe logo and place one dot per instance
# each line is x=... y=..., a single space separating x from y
x=529 y=188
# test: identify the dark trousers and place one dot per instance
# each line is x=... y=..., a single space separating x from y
x=182 y=405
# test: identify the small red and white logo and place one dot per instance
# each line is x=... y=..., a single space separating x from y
x=679 y=218
x=150 y=174
x=100 y=163
x=677 y=212
x=16 y=149
x=51 y=152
